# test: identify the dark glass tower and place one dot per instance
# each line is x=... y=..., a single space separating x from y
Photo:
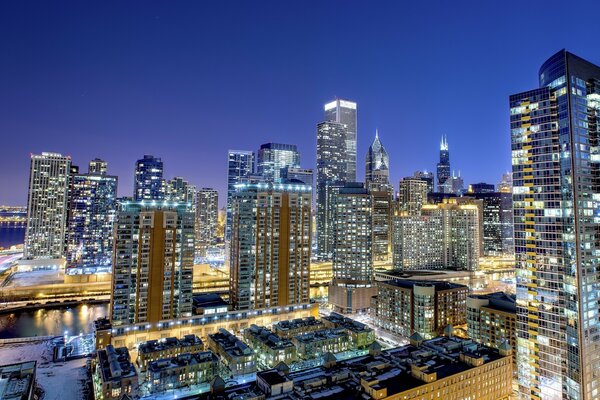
x=273 y=157
x=443 y=167
x=240 y=164
x=377 y=163
x=556 y=197
x=149 y=183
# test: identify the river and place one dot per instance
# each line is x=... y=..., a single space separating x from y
x=55 y=321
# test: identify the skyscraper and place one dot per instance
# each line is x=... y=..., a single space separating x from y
x=377 y=163
x=270 y=246
x=240 y=164
x=412 y=195
x=427 y=177
x=181 y=191
x=273 y=157
x=443 y=168
x=352 y=285
x=331 y=170
x=91 y=215
x=47 y=206
x=153 y=261
x=554 y=135
x=149 y=183
x=383 y=205
x=207 y=217
x=344 y=112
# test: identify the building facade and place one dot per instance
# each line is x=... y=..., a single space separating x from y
x=148 y=180
x=352 y=233
x=240 y=164
x=344 y=112
x=91 y=215
x=47 y=203
x=426 y=307
x=412 y=195
x=273 y=157
x=271 y=245
x=443 y=168
x=383 y=208
x=331 y=170
x=207 y=217
x=153 y=261
x=554 y=136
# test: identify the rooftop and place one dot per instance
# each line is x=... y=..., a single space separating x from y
x=341 y=321
x=209 y=300
x=322 y=334
x=499 y=301
x=267 y=337
x=296 y=323
x=230 y=344
x=410 y=283
x=183 y=360
x=16 y=380
x=115 y=363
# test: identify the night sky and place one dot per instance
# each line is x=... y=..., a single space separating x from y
x=187 y=80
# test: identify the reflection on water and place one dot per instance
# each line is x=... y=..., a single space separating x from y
x=44 y=322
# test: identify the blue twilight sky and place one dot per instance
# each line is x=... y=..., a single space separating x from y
x=187 y=80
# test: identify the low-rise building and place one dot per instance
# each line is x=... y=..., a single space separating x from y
x=294 y=327
x=153 y=350
x=17 y=381
x=115 y=374
x=208 y=304
x=360 y=334
x=180 y=371
x=445 y=368
x=425 y=307
x=235 y=354
x=316 y=344
x=492 y=319
x=270 y=348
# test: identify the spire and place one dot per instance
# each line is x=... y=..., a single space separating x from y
x=444 y=143
x=376 y=133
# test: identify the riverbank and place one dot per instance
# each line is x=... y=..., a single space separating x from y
x=8 y=308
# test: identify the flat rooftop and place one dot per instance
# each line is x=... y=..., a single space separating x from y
x=410 y=283
x=183 y=360
x=230 y=344
x=16 y=380
x=152 y=346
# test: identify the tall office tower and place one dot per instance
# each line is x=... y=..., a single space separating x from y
x=97 y=167
x=491 y=217
x=181 y=191
x=445 y=235
x=412 y=195
x=91 y=216
x=352 y=219
x=344 y=112
x=240 y=164
x=427 y=177
x=270 y=246
x=273 y=157
x=481 y=187
x=377 y=163
x=207 y=217
x=457 y=184
x=554 y=135
x=383 y=207
x=47 y=206
x=331 y=170
x=149 y=183
x=152 y=263
x=304 y=175
x=505 y=185
x=443 y=168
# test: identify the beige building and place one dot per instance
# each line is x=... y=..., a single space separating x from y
x=115 y=375
x=270 y=349
x=154 y=350
x=233 y=353
x=182 y=370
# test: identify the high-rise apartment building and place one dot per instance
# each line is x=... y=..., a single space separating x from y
x=427 y=177
x=443 y=168
x=207 y=217
x=91 y=216
x=383 y=207
x=271 y=245
x=445 y=235
x=47 y=206
x=273 y=157
x=331 y=170
x=352 y=231
x=344 y=112
x=377 y=163
x=181 y=191
x=412 y=195
x=152 y=263
x=554 y=137
x=240 y=164
x=148 y=181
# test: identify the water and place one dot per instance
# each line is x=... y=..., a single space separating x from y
x=46 y=322
x=10 y=236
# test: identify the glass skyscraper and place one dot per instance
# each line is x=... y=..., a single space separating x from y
x=344 y=112
x=149 y=183
x=273 y=157
x=92 y=212
x=443 y=168
x=556 y=195
x=377 y=163
x=240 y=164
x=331 y=170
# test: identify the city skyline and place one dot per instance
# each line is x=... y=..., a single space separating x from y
x=185 y=98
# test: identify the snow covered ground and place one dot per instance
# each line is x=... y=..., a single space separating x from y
x=35 y=278
x=59 y=381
